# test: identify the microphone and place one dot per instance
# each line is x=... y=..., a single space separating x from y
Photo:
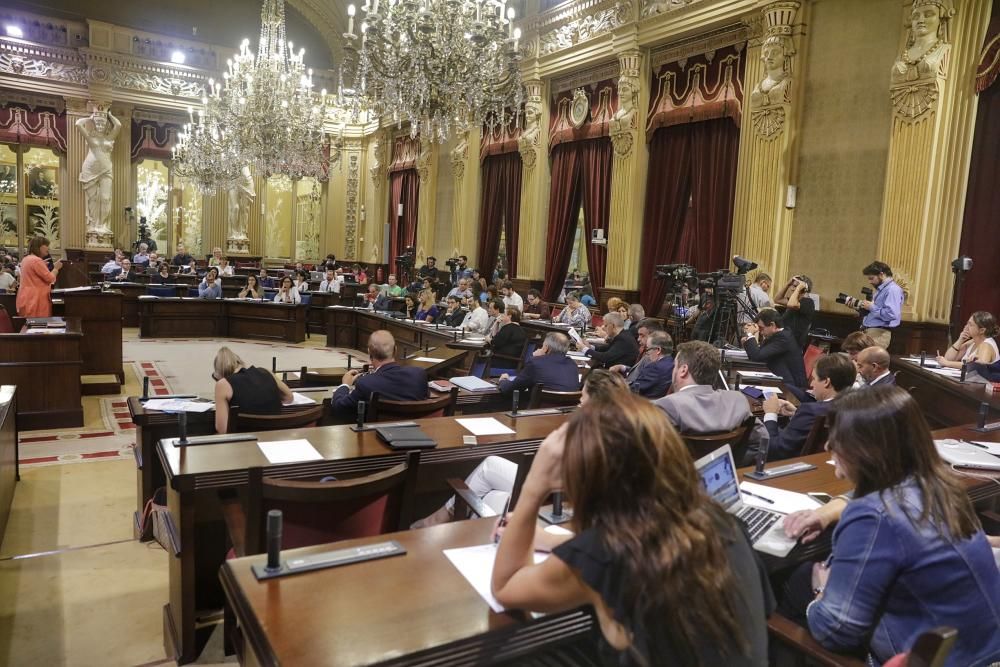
x=984 y=412
x=964 y=371
x=182 y=428
x=513 y=408
x=274 y=364
x=923 y=358
x=145 y=386
x=273 y=540
x=761 y=458
x=348 y=362
x=362 y=406
x=557 y=509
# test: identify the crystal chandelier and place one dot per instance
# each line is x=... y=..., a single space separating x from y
x=264 y=113
x=441 y=65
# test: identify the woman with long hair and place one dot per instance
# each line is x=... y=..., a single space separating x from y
x=428 y=309
x=34 y=294
x=908 y=555
x=975 y=343
x=252 y=289
x=287 y=292
x=668 y=572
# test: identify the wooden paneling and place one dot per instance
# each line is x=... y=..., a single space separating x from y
x=46 y=370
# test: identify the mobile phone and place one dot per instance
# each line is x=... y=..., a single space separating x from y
x=822 y=498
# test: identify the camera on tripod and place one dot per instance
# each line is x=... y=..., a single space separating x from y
x=408 y=257
x=851 y=302
x=452 y=262
x=678 y=273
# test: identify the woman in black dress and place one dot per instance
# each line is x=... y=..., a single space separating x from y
x=253 y=389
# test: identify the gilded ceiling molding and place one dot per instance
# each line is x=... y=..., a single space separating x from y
x=586 y=27
x=590 y=75
x=31 y=100
x=736 y=33
x=44 y=62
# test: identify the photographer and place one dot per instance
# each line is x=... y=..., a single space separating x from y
x=459 y=267
x=799 y=308
x=885 y=311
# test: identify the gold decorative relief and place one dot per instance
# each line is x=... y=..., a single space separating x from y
x=923 y=63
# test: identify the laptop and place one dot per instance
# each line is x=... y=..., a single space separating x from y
x=718 y=477
x=317 y=276
x=967 y=455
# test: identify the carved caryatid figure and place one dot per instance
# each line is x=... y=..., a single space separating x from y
x=241 y=197
x=923 y=61
x=624 y=116
x=772 y=93
x=100 y=130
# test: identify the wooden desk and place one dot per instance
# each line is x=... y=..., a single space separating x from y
x=8 y=452
x=46 y=369
x=195 y=475
x=945 y=402
x=215 y=318
x=414 y=610
x=100 y=315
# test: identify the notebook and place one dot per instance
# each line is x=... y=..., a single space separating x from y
x=405 y=437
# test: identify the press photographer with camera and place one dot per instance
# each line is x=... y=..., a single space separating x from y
x=799 y=308
x=885 y=310
x=459 y=268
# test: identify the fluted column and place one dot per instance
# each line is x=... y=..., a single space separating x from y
x=628 y=173
x=427 y=205
x=256 y=232
x=533 y=146
x=72 y=206
x=762 y=225
x=374 y=211
x=465 y=203
x=122 y=189
x=928 y=165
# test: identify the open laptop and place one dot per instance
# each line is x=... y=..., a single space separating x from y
x=967 y=455
x=718 y=477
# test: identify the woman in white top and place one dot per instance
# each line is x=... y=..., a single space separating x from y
x=225 y=268
x=975 y=343
x=575 y=313
x=287 y=293
x=302 y=281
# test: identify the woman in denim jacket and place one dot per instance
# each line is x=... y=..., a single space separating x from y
x=908 y=552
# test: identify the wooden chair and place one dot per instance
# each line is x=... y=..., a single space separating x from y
x=545 y=398
x=241 y=422
x=469 y=505
x=809 y=358
x=6 y=323
x=381 y=409
x=816 y=440
x=315 y=379
x=931 y=648
x=700 y=444
x=797 y=641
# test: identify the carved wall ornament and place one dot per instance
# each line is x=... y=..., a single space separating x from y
x=585 y=28
x=771 y=96
x=579 y=108
x=459 y=154
x=424 y=161
x=654 y=7
x=154 y=83
x=622 y=141
x=527 y=143
x=351 y=215
x=915 y=76
x=23 y=66
x=375 y=170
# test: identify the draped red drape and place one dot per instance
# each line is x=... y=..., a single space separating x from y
x=565 y=197
x=500 y=210
x=404 y=188
x=595 y=171
x=692 y=164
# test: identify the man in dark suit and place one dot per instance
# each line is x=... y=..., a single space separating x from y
x=651 y=376
x=873 y=366
x=779 y=350
x=621 y=348
x=549 y=366
x=832 y=374
x=388 y=378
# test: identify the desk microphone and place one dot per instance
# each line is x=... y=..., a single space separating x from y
x=963 y=372
x=182 y=428
x=362 y=406
x=273 y=540
x=984 y=412
x=557 y=508
x=348 y=362
x=513 y=407
x=274 y=364
x=761 y=458
x=923 y=358
x=145 y=387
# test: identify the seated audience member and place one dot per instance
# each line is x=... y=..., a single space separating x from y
x=621 y=348
x=183 y=257
x=800 y=309
x=493 y=480
x=477 y=320
x=548 y=366
x=975 y=343
x=330 y=282
x=163 y=276
x=510 y=297
x=360 y=274
x=453 y=315
x=653 y=377
x=832 y=374
x=141 y=257
x=671 y=576
x=642 y=330
x=225 y=268
x=392 y=381
x=779 y=350
x=410 y=306
x=483 y=288
x=536 y=309
x=300 y=279
x=264 y=279
x=873 y=366
x=126 y=274
x=254 y=390
x=210 y=286
x=252 y=289
x=330 y=262
x=216 y=258
x=299 y=266
x=429 y=269
x=461 y=290
x=694 y=406
x=908 y=555
x=393 y=288
x=113 y=265
x=508 y=340
x=8 y=283
x=852 y=346
x=374 y=298
x=287 y=293
x=428 y=310
x=575 y=313
x=494 y=307
x=760 y=291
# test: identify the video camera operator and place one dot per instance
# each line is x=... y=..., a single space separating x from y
x=885 y=309
x=459 y=268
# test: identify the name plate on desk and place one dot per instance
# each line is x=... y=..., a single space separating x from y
x=327 y=559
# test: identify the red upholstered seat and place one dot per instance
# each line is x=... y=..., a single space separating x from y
x=6 y=326
x=809 y=358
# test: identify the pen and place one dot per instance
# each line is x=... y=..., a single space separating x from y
x=754 y=495
x=502 y=522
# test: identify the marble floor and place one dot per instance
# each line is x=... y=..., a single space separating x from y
x=75 y=588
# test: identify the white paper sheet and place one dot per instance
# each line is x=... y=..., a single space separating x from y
x=785 y=502
x=302 y=399
x=484 y=426
x=929 y=362
x=991 y=447
x=472 y=383
x=178 y=405
x=574 y=334
x=429 y=360
x=289 y=451
x=476 y=565
x=760 y=375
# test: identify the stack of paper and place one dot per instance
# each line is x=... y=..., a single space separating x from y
x=301 y=399
x=472 y=383
x=178 y=405
x=759 y=375
x=484 y=426
x=476 y=565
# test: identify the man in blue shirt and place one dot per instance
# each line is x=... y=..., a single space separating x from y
x=885 y=312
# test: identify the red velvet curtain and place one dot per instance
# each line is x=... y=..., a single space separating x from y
x=692 y=164
x=595 y=171
x=565 y=199
x=404 y=188
x=500 y=210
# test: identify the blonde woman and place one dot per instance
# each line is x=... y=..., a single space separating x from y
x=254 y=390
x=428 y=310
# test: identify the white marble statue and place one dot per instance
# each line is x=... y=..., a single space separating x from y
x=241 y=197
x=532 y=125
x=100 y=130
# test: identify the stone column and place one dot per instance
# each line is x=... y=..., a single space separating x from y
x=534 y=148
x=345 y=207
x=934 y=112
x=628 y=174
x=762 y=226
x=374 y=211
x=122 y=189
x=465 y=203
x=427 y=205
x=72 y=206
